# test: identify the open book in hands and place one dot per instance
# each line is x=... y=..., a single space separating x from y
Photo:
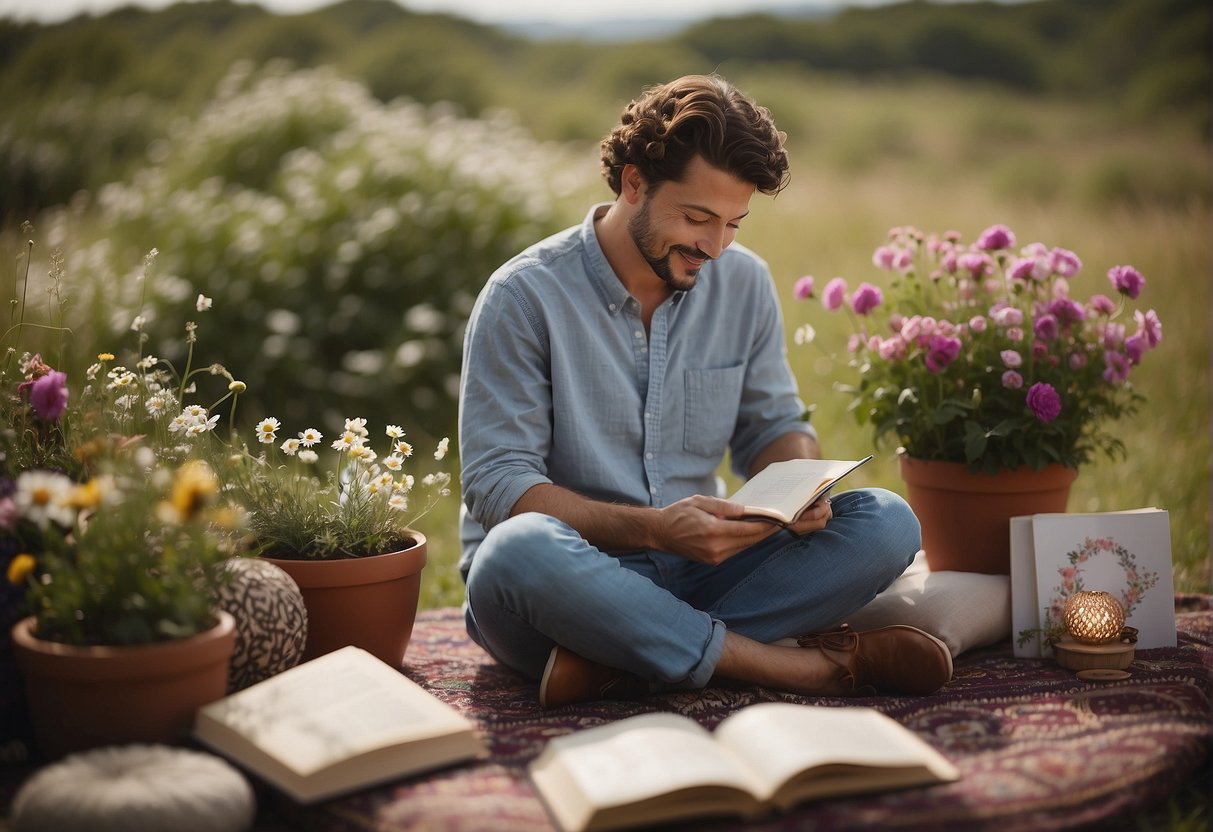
x=663 y=767
x=782 y=490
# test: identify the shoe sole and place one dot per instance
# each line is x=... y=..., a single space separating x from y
x=547 y=675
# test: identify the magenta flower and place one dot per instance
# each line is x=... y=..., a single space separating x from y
x=1067 y=311
x=1127 y=280
x=996 y=237
x=883 y=257
x=1044 y=402
x=941 y=351
x=803 y=290
x=48 y=395
x=1149 y=326
x=1012 y=380
x=1046 y=328
x=1007 y=316
x=835 y=294
x=866 y=298
x=1116 y=367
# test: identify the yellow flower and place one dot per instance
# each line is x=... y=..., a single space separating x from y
x=20 y=567
x=105 y=356
x=193 y=486
x=87 y=495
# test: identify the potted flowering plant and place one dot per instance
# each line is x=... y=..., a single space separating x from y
x=977 y=361
x=108 y=531
x=344 y=534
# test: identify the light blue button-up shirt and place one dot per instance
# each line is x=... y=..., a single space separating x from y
x=562 y=385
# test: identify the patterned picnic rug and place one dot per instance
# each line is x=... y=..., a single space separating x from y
x=1038 y=749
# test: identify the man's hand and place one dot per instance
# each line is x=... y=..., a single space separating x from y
x=813 y=518
x=709 y=530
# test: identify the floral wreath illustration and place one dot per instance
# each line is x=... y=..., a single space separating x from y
x=1136 y=581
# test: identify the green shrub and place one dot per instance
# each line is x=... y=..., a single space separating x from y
x=342 y=241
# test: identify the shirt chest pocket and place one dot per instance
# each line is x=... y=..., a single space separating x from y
x=712 y=400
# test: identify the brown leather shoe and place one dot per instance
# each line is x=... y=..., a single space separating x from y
x=569 y=678
x=896 y=659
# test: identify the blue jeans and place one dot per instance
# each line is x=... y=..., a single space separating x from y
x=535 y=582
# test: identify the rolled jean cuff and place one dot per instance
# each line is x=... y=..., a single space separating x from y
x=702 y=673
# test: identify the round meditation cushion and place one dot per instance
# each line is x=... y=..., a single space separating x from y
x=135 y=788
x=271 y=620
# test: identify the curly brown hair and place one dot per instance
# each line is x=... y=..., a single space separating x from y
x=696 y=115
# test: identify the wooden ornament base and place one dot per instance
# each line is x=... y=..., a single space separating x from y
x=1074 y=655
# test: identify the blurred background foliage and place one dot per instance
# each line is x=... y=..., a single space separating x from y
x=342 y=182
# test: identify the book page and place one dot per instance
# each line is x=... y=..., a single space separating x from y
x=780 y=739
x=638 y=758
x=332 y=707
x=784 y=489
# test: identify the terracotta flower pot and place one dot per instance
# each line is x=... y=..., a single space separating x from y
x=86 y=697
x=966 y=517
x=369 y=602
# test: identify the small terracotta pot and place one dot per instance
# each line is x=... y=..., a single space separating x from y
x=966 y=517
x=369 y=602
x=86 y=697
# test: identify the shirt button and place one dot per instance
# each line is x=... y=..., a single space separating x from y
x=652 y=489
x=649 y=455
x=612 y=307
x=639 y=334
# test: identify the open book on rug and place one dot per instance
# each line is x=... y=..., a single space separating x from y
x=664 y=767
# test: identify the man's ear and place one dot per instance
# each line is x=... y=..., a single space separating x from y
x=632 y=184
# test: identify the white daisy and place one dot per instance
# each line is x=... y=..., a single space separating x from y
x=442 y=448
x=43 y=497
x=309 y=437
x=267 y=430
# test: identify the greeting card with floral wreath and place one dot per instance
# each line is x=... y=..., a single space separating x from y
x=1126 y=554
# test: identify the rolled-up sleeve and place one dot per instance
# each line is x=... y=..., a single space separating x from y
x=506 y=404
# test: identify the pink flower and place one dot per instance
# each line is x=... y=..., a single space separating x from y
x=978 y=323
x=1113 y=336
x=941 y=352
x=48 y=395
x=1127 y=280
x=1021 y=269
x=1149 y=326
x=996 y=237
x=866 y=298
x=949 y=261
x=974 y=263
x=1010 y=358
x=1135 y=348
x=1044 y=402
x=892 y=349
x=1012 y=380
x=1101 y=305
x=883 y=257
x=1007 y=316
x=1064 y=262
x=1116 y=367
x=1015 y=334
x=803 y=290
x=1078 y=360
x=835 y=294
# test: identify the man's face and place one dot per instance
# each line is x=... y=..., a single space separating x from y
x=681 y=225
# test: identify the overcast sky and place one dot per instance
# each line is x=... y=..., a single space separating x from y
x=485 y=11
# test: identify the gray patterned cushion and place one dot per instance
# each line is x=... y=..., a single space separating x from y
x=271 y=620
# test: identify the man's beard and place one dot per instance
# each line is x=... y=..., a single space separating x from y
x=640 y=228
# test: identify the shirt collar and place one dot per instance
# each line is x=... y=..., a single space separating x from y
x=612 y=292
